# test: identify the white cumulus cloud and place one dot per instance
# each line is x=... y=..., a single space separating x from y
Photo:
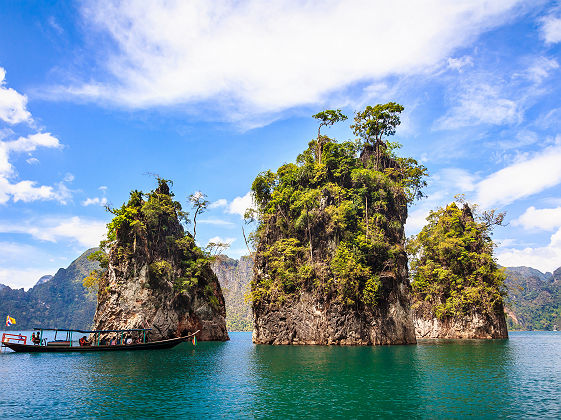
x=547 y=258
x=240 y=205
x=13 y=105
x=544 y=219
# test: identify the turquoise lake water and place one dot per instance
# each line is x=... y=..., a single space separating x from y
x=518 y=377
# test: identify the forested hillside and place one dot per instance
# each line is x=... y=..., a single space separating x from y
x=59 y=302
x=534 y=299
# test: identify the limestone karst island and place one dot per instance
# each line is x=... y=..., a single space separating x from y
x=280 y=210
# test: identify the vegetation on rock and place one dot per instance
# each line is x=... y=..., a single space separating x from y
x=333 y=221
x=154 y=219
x=452 y=266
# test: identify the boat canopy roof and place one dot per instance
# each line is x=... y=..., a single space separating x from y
x=92 y=331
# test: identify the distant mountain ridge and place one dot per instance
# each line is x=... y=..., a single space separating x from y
x=59 y=302
x=235 y=276
x=44 y=279
x=534 y=299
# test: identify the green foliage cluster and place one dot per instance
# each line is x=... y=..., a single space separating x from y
x=452 y=264
x=149 y=225
x=333 y=221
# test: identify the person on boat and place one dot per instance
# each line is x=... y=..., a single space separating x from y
x=33 y=338
x=84 y=341
x=113 y=342
x=128 y=340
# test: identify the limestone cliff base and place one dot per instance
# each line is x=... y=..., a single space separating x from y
x=476 y=325
x=305 y=320
x=133 y=303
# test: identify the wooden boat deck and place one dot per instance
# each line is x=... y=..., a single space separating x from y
x=153 y=345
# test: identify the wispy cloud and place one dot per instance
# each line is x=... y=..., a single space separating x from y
x=84 y=232
x=551 y=28
x=216 y=222
x=222 y=202
x=480 y=103
x=521 y=179
x=261 y=57
x=95 y=201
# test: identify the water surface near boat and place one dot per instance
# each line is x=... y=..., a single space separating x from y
x=505 y=378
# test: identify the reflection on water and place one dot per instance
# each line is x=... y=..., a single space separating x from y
x=519 y=377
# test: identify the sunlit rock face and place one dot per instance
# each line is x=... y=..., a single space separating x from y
x=156 y=278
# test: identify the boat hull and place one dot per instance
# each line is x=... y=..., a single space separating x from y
x=154 y=345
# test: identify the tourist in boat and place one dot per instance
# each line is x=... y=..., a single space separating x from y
x=33 y=338
x=84 y=341
x=113 y=342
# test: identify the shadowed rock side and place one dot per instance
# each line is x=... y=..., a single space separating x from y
x=330 y=264
x=458 y=287
x=156 y=276
x=310 y=319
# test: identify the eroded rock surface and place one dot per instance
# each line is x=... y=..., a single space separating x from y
x=156 y=277
x=476 y=325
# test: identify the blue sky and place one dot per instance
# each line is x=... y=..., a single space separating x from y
x=95 y=95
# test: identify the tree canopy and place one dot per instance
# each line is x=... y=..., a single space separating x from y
x=452 y=264
x=332 y=221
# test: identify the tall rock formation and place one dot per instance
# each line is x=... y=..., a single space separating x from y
x=330 y=264
x=458 y=287
x=155 y=276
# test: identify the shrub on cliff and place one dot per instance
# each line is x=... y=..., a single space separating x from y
x=333 y=221
x=149 y=226
x=452 y=266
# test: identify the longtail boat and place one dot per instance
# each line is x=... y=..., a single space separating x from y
x=18 y=342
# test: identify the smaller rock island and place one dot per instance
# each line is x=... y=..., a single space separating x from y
x=458 y=287
x=153 y=274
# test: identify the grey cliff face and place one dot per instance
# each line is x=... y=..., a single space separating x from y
x=130 y=301
x=310 y=320
x=475 y=325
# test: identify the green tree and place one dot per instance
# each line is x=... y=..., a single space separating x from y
x=326 y=118
x=200 y=204
x=335 y=226
x=375 y=123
